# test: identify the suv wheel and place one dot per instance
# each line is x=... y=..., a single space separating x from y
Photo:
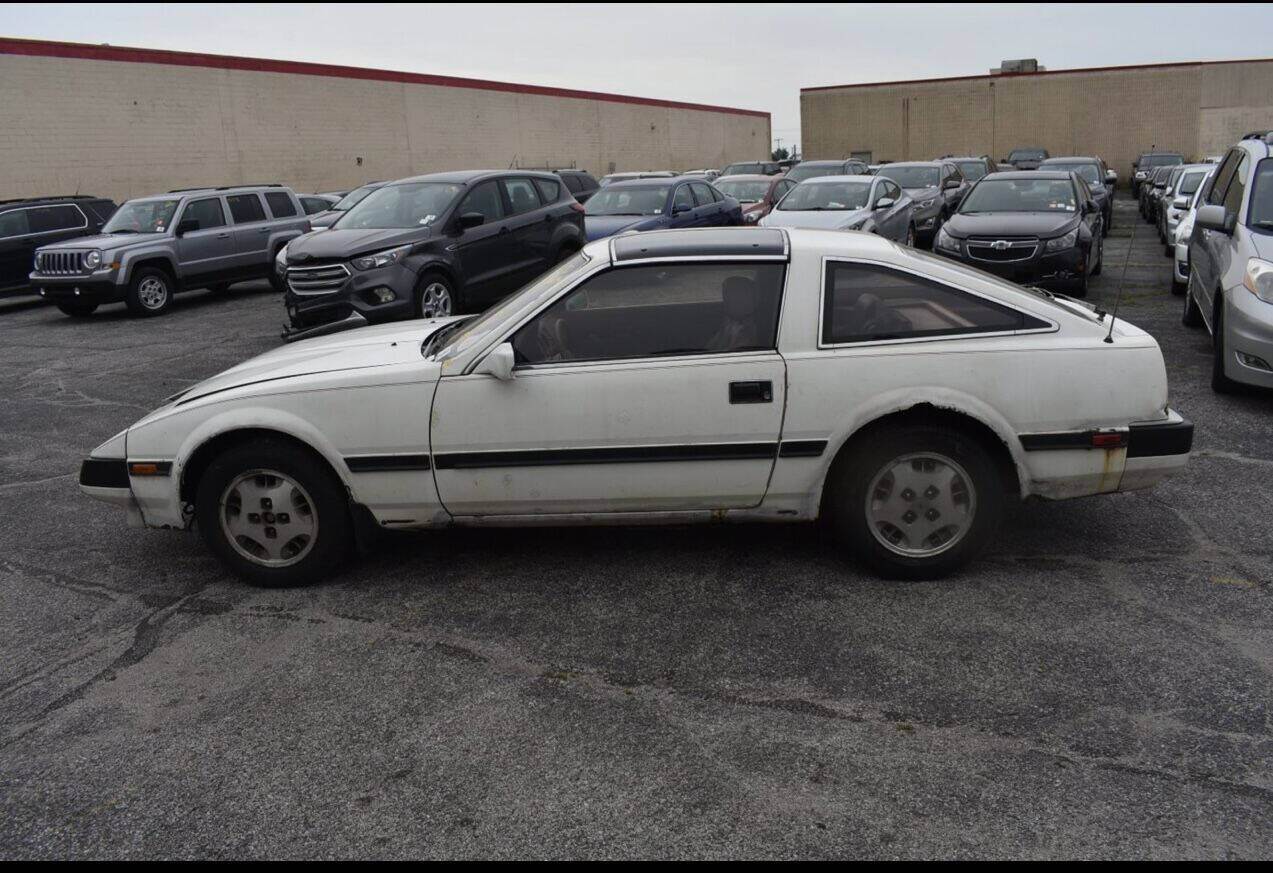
x=78 y=310
x=150 y=292
x=1220 y=381
x=435 y=298
x=274 y=514
x=917 y=502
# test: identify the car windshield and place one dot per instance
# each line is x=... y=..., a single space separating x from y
x=353 y=198
x=744 y=169
x=910 y=177
x=413 y=204
x=642 y=200
x=972 y=170
x=1020 y=195
x=1191 y=181
x=826 y=197
x=459 y=338
x=744 y=192
x=1027 y=155
x=142 y=216
x=800 y=172
x=1147 y=161
x=1260 y=212
x=1088 y=172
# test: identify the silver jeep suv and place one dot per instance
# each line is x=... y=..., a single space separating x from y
x=153 y=247
x=1231 y=266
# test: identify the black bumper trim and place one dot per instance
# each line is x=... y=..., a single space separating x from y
x=104 y=473
x=384 y=463
x=1154 y=440
x=625 y=455
x=802 y=449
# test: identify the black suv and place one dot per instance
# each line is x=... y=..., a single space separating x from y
x=25 y=225
x=431 y=246
x=579 y=183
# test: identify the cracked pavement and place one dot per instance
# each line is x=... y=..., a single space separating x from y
x=1099 y=685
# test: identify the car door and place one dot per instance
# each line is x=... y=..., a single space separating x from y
x=486 y=253
x=251 y=232
x=209 y=249
x=17 y=248
x=529 y=225
x=892 y=220
x=1206 y=244
x=651 y=387
x=710 y=211
x=682 y=212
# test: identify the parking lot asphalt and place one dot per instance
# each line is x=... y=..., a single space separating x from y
x=1099 y=685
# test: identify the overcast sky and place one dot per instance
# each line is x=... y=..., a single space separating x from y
x=751 y=57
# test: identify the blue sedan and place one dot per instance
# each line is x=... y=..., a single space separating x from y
x=658 y=204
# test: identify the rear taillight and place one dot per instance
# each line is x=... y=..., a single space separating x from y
x=577 y=206
x=1108 y=440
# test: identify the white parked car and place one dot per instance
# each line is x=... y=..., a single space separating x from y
x=728 y=374
x=872 y=204
x=1187 y=207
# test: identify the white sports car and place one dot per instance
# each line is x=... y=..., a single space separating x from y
x=704 y=375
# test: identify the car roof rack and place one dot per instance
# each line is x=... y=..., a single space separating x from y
x=46 y=199
x=224 y=187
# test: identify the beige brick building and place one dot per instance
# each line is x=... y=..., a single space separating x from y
x=1115 y=112
x=120 y=122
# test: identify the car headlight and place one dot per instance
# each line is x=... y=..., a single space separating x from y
x=1061 y=243
x=93 y=260
x=1259 y=279
x=946 y=241
x=927 y=203
x=381 y=259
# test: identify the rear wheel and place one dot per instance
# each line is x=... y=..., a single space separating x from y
x=916 y=501
x=274 y=514
x=78 y=310
x=150 y=292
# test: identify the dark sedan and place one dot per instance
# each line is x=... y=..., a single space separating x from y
x=814 y=169
x=1027 y=158
x=1038 y=227
x=936 y=187
x=1092 y=171
x=649 y=204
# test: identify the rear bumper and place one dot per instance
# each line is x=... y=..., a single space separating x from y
x=1156 y=450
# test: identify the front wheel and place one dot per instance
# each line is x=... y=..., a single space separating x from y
x=274 y=514
x=150 y=292
x=435 y=297
x=916 y=502
x=78 y=309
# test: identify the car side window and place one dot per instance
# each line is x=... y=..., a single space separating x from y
x=683 y=198
x=658 y=310
x=549 y=190
x=865 y=302
x=314 y=205
x=1230 y=163
x=1236 y=194
x=207 y=213
x=280 y=204
x=14 y=223
x=245 y=208
x=573 y=184
x=702 y=194
x=483 y=199
x=892 y=190
x=521 y=196
x=44 y=219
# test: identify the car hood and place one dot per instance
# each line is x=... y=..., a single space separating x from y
x=112 y=241
x=1263 y=245
x=340 y=244
x=1006 y=224
x=599 y=226
x=816 y=220
x=919 y=195
x=358 y=349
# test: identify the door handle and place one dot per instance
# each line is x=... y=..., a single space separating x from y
x=262 y=230
x=223 y=236
x=751 y=392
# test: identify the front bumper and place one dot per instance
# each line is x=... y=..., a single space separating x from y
x=106 y=479
x=1054 y=270
x=357 y=294
x=98 y=287
x=1248 y=329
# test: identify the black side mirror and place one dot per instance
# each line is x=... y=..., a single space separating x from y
x=679 y=209
x=471 y=219
x=1090 y=207
x=187 y=226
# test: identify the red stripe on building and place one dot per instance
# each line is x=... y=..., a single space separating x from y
x=82 y=51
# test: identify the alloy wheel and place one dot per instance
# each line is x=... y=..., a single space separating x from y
x=268 y=518
x=920 y=505
x=435 y=301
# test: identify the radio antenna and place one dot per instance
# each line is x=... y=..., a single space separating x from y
x=1122 y=278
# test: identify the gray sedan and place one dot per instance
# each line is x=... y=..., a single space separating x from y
x=871 y=204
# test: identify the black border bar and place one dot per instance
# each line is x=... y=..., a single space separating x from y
x=385 y=463
x=104 y=473
x=1155 y=440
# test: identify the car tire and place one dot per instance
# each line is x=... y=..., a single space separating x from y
x=872 y=510
x=1191 y=316
x=150 y=292
x=910 y=236
x=1107 y=224
x=436 y=297
x=254 y=475
x=77 y=309
x=1220 y=381
x=1177 y=288
x=1168 y=250
x=1100 y=256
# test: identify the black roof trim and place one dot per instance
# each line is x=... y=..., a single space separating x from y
x=719 y=242
x=60 y=198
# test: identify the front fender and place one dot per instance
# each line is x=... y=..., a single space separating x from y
x=132 y=257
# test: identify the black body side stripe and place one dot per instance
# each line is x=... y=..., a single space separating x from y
x=1044 y=442
x=802 y=449
x=381 y=463
x=624 y=455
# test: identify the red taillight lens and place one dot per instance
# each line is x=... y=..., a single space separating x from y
x=1109 y=440
x=577 y=206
